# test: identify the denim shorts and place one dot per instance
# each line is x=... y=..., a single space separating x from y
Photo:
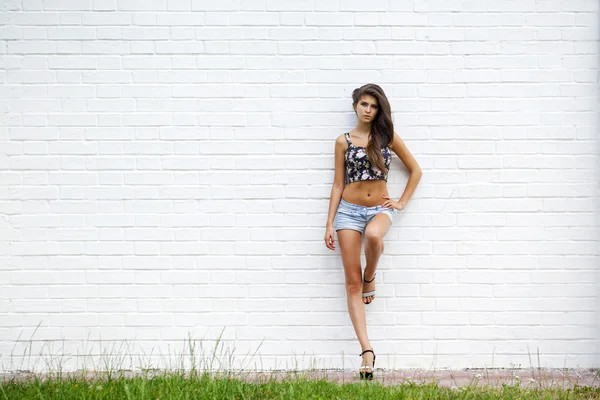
x=355 y=217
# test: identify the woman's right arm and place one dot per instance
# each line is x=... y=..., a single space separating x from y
x=336 y=190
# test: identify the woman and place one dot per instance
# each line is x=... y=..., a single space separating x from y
x=360 y=203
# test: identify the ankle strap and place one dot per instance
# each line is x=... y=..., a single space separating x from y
x=374 y=275
x=366 y=351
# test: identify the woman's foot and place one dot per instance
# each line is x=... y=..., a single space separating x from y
x=368 y=364
x=368 y=291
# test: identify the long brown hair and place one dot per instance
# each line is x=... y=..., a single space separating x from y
x=382 y=127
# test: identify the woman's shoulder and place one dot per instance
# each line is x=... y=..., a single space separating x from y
x=341 y=142
x=342 y=137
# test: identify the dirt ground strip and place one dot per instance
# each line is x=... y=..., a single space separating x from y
x=495 y=377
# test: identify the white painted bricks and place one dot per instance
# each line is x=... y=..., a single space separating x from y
x=165 y=170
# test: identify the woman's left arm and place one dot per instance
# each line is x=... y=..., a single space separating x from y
x=411 y=164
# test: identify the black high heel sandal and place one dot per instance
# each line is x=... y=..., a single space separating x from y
x=367 y=374
x=371 y=293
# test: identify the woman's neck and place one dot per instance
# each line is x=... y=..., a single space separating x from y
x=363 y=127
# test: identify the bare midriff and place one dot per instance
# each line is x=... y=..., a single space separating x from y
x=366 y=193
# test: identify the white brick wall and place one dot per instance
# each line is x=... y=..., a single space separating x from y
x=165 y=168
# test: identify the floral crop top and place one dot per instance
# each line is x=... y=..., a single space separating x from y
x=358 y=166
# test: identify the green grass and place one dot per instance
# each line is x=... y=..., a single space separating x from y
x=196 y=374
x=203 y=386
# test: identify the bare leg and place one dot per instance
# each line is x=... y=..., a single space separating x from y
x=350 y=244
x=374 y=233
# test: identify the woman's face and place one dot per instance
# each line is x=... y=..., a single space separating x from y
x=367 y=108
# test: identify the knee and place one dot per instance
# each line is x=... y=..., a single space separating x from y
x=354 y=285
x=373 y=239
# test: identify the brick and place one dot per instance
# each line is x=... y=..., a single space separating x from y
x=167 y=165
